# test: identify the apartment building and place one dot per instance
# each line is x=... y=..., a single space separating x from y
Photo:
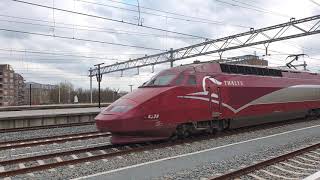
x=19 y=88
x=247 y=59
x=11 y=87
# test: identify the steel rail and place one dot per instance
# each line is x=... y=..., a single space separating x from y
x=58 y=154
x=51 y=140
x=263 y=164
x=45 y=127
x=145 y=147
x=44 y=138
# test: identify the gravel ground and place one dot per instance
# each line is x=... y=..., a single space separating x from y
x=13 y=136
x=214 y=169
x=52 y=148
x=205 y=170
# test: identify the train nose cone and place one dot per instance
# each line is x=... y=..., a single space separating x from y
x=108 y=122
x=113 y=118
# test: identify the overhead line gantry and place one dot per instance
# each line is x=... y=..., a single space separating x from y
x=253 y=37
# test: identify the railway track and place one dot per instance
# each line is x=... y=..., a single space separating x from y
x=62 y=159
x=103 y=152
x=51 y=140
x=294 y=165
x=45 y=127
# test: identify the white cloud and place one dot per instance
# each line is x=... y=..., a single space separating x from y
x=45 y=68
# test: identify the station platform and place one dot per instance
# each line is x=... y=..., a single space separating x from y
x=44 y=117
x=51 y=106
x=217 y=155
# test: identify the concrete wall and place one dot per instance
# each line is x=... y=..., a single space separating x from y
x=50 y=106
x=33 y=121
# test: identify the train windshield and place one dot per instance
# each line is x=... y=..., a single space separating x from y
x=160 y=80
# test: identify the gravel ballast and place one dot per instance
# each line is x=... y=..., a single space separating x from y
x=203 y=170
x=22 y=135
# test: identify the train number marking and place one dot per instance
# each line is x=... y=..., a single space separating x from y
x=153 y=116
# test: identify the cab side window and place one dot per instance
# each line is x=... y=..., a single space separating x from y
x=192 y=80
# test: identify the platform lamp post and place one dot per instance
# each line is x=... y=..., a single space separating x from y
x=130 y=87
x=30 y=95
x=99 y=78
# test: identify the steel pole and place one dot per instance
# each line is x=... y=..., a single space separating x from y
x=171 y=57
x=30 y=97
x=91 y=85
x=99 y=78
x=59 y=95
x=99 y=86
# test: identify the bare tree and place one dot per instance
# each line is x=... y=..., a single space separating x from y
x=67 y=93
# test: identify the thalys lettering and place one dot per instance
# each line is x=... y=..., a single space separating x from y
x=233 y=83
x=202 y=97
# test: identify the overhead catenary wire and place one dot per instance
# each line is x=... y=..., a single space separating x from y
x=135 y=24
x=104 y=58
x=51 y=73
x=313 y=1
x=191 y=19
x=54 y=74
x=41 y=60
x=55 y=53
x=181 y=15
x=167 y=12
x=52 y=60
x=79 y=39
x=263 y=9
x=95 y=29
x=252 y=8
x=106 y=18
x=26 y=58
x=314 y=58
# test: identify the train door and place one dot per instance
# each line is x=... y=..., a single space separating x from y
x=214 y=96
x=215 y=105
x=192 y=110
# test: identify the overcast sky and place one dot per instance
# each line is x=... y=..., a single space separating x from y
x=52 y=60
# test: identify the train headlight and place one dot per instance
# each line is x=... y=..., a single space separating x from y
x=118 y=108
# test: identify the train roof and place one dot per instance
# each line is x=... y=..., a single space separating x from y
x=245 y=69
x=283 y=69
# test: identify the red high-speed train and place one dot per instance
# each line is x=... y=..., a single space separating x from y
x=209 y=96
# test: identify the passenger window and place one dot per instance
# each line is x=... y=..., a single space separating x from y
x=236 y=69
x=233 y=69
x=179 y=79
x=241 y=70
x=260 y=71
x=249 y=70
x=225 y=68
x=265 y=72
x=192 y=80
